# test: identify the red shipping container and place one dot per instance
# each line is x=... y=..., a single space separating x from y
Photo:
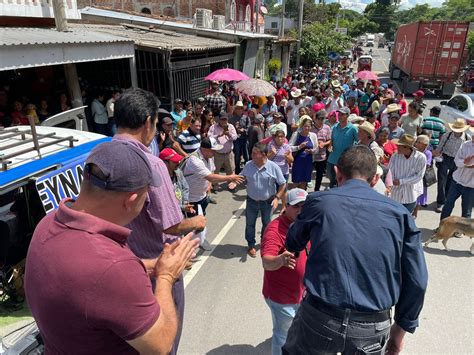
x=430 y=51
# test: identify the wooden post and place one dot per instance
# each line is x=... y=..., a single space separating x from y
x=70 y=72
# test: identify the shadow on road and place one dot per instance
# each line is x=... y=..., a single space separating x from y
x=451 y=253
x=230 y=251
x=262 y=348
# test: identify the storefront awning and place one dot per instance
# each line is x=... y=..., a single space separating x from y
x=36 y=47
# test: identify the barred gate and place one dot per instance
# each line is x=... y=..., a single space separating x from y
x=189 y=83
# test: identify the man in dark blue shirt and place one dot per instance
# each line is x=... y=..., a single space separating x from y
x=366 y=256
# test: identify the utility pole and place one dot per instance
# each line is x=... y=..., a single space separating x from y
x=70 y=72
x=300 y=32
x=282 y=24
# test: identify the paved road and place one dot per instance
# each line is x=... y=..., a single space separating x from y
x=226 y=314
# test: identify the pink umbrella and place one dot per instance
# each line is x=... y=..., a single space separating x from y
x=366 y=75
x=227 y=75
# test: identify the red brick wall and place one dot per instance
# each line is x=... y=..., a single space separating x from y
x=217 y=6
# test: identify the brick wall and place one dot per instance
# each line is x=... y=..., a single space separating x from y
x=161 y=7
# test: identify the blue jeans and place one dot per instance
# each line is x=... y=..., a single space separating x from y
x=317 y=333
x=410 y=206
x=467 y=195
x=240 y=150
x=251 y=214
x=282 y=317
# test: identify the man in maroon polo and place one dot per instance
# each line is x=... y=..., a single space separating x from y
x=88 y=293
x=283 y=277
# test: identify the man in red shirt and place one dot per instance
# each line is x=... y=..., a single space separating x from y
x=281 y=93
x=87 y=291
x=283 y=277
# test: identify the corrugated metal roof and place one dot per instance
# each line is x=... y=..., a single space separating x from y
x=162 y=39
x=17 y=36
x=168 y=24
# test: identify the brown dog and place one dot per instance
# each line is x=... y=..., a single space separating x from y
x=451 y=225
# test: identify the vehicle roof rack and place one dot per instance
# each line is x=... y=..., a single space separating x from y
x=24 y=145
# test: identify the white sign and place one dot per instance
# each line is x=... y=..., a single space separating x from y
x=342 y=30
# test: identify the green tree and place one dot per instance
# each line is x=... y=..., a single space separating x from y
x=382 y=12
x=470 y=44
x=318 y=40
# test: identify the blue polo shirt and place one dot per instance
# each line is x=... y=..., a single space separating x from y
x=261 y=182
x=366 y=252
x=342 y=139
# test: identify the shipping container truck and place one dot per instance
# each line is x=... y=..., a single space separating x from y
x=429 y=55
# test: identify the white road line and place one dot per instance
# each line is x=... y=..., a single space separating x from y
x=217 y=240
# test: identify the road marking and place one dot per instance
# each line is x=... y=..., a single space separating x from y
x=217 y=240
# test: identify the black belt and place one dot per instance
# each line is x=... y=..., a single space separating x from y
x=340 y=312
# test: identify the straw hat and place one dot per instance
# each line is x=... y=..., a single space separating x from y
x=393 y=108
x=459 y=125
x=405 y=140
x=335 y=83
x=296 y=93
x=369 y=128
x=353 y=118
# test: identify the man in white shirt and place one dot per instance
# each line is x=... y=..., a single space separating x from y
x=463 y=181
x=110 y=111
x=408 y=167
x=293 y=107
x=198 y=172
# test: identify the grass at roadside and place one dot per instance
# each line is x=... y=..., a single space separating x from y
x=8 y=317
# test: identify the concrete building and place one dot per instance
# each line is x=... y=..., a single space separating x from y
x=273 y=24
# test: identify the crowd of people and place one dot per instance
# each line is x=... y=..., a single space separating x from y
x=376 y=150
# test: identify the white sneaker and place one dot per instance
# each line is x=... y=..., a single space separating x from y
x=205 y=245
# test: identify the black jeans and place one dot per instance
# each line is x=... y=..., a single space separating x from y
x=203 y=203
x=240 y=151
x=445 y=176
x=320 y=167
x=317 y=333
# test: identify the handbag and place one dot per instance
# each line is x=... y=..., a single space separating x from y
x=430 y=177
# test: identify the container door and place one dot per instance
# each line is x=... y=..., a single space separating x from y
x=426 y=52
x=453 y=38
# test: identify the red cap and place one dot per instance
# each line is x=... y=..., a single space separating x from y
x=419 y=93
x=170 y=154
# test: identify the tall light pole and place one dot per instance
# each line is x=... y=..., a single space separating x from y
x=300 y=32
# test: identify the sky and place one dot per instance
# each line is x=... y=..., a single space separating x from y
x=359 y=5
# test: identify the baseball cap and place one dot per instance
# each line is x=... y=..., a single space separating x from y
x=178 y=101
x=211 y=143
x=223 y=116
x=394 y=115
x=296 y=196
x=167 y=120
x=344 y=110
x=384 y=85
x=109 y=157
x=419 y=93
x=171 y=155
x=239 y=104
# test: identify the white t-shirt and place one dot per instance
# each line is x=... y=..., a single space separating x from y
x=195 y=172
x=294 y=115
x=334 y=106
